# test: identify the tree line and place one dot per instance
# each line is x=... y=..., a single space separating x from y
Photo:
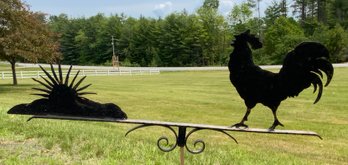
x=180 y=39
x=201 y=38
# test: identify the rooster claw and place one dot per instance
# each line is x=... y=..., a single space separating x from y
x=275 y=124
x=240 y=125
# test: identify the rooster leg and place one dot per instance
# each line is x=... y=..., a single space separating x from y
x=276 y=121
x=245 y=118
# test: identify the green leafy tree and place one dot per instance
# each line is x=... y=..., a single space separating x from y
x=240 y=14
x=124 y=46
x=24 y=36
x=112 y=28
x=66 y=30
x=82 y=44
x=283 y=8
x=300 y=6
x=272 y=12
x=339 y=12
x=214 y=26
x=335 y=39
x=170 y=41
x=211 y=4
x=144 y=48
x=240 y=19
x=280 y=38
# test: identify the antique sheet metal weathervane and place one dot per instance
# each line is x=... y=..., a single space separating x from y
x=64 y=101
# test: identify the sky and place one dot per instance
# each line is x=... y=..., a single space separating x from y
x=133 y=8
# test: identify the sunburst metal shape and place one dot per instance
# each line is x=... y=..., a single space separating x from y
x=59 y=92
x=63 y=98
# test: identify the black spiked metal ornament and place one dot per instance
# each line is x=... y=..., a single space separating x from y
x=62 y=98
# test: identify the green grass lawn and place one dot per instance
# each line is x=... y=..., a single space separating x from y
x=191 y=97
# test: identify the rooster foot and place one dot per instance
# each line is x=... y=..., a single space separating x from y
x=240 y=125
x=275 y=124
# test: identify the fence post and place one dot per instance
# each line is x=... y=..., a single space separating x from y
x=2 y=75
x=21 y=74
x=38 y=74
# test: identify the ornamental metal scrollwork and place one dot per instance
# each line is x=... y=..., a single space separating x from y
x=181 y=139
x=199 y=141
x=163 y=138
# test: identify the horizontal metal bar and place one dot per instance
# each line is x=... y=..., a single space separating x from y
x=176 y=124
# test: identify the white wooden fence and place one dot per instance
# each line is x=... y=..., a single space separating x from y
x=104 y=72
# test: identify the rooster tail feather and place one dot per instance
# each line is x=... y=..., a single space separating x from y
x=317 y=82
x=306 y=66
x=326 y=67
x=319 y=72
x=315 y=86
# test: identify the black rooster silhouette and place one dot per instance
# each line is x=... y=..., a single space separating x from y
x=62 y=98
x=302 y=67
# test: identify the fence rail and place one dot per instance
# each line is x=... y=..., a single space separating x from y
x=108 y=72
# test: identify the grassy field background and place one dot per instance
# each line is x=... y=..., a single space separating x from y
x=193 y=97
